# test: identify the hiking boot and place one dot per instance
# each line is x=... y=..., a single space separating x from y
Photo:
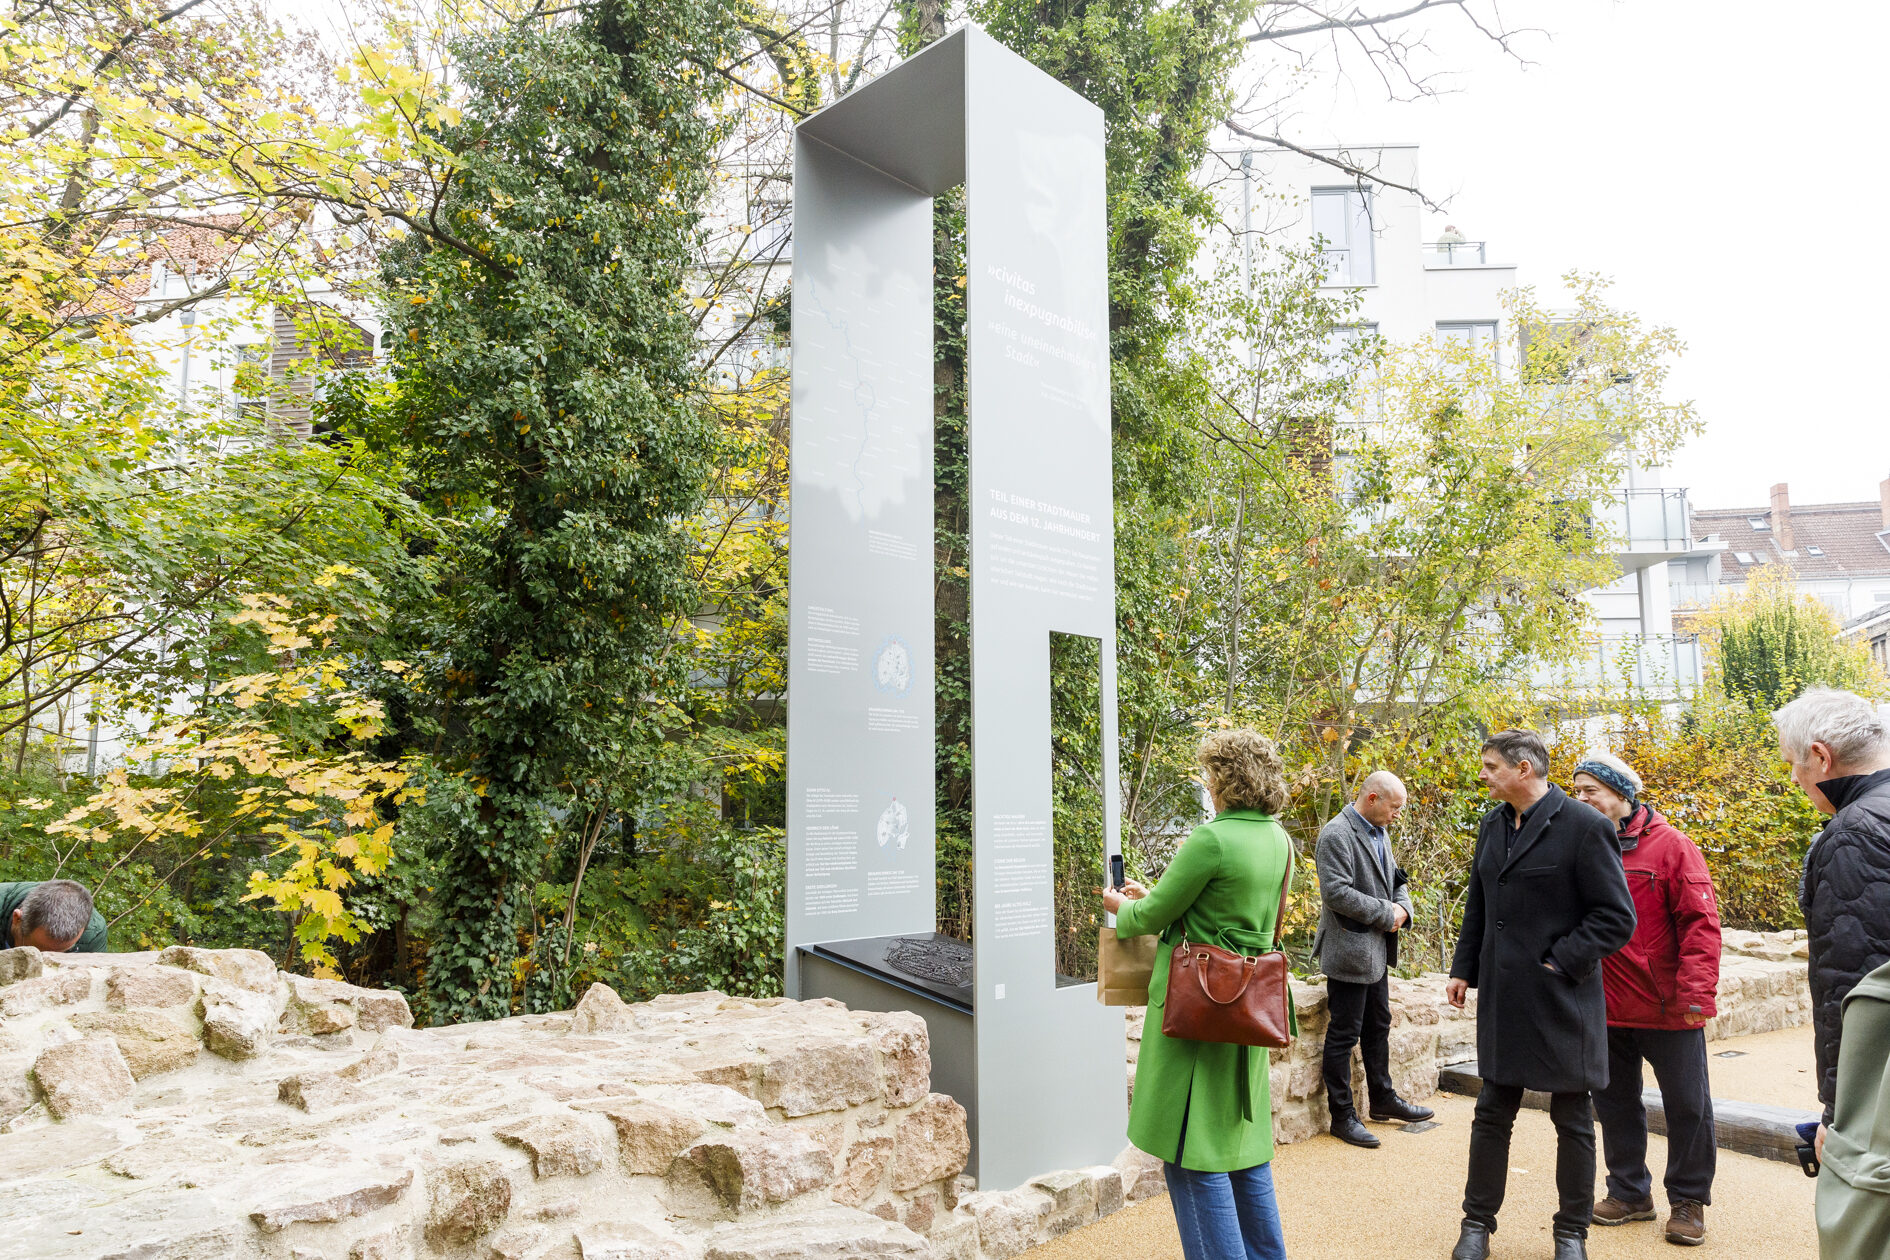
x=1569 y=1247
x=1686 y=1224
x=1613 y=1211
x=1396 y=1108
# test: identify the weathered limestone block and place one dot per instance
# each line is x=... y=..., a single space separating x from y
x=717 y=1104
x=931 y=1143
x=1141 y=1174
x=192 y=1161
x=86 y=1077
x=629 y=1240
x=1108 y=1182
x=466 y=1201
x=22 y=962
x=54 y=988
x=151 y=1042
x=559 y=1145
x=333 y=1197
x=905 y=1059
x=379 y=1061
x=318 y=1091
x=838 y=1233
x=516 y=1243
x=249 y=969
x=866 y=1165
x=748 y=1168
x=954 y=1237
x=823 y=1074
x=1072 y=1202
x=17 y=1092
x=1008 y=1220
x=649 y=1135
x=382 y=1244
x=127 y=988
x=236 y=1021
x=600 y=1010
x=319 y=1007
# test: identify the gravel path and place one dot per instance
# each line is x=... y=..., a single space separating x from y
x=1403 y=1199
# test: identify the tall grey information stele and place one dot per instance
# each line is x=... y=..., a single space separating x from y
x=1036 y=1061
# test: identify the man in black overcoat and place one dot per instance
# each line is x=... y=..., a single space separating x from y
x=1547 y=902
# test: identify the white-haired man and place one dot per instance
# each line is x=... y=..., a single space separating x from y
x=1363 y=904
x=1838 y=745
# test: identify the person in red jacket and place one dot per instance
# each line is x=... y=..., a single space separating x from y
x=1661 y=990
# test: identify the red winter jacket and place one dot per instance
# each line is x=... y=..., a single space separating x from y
x=1671 y=967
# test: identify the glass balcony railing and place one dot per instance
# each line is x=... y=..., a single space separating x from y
x=1648 y=520
x=1453 y=253
x=1666 y=665
x=1692 y=594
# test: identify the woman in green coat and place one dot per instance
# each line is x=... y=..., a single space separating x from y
x=1203 y=1108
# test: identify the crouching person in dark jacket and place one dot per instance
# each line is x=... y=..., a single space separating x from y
x=1838 y=745
x=1547 y=902
x=1661 y=991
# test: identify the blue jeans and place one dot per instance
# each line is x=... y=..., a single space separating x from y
x=1226 y=1215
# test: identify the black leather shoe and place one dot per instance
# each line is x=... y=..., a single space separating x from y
x=1396 y=1108
x=1348 y=1129
x=1473 y=1243
x=1569 y=1248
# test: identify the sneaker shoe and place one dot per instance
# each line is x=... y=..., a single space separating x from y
x=1613 y=1211
x=1686 y=1224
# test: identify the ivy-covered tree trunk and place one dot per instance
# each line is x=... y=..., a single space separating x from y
x=542 y=376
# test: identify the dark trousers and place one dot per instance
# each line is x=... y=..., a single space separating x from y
x=1489 y=1157
x=1679 y=1060
x=1359 y=1015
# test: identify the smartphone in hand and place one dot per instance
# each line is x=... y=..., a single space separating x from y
x=1116 y=876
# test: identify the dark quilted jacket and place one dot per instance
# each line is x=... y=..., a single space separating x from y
x=1846 y=899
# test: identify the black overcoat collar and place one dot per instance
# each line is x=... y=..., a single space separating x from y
x=1533 y=826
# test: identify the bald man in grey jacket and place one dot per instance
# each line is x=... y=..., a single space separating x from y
x=1364 y=903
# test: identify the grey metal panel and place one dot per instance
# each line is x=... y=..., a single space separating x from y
x=908 y=122
x=860 y=711
x=1046 y=1080
x=1051 y=1074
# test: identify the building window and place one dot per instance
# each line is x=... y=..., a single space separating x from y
x=772 y=221
x=249 y=385
x=1743 y=557
x=1815 y=551
x=1759 y=523
x=1479 y=335
x=1342 y=220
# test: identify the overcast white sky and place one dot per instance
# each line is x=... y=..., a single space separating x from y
x=1724 y=162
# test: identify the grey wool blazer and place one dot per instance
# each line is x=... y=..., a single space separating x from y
x=1355 y=941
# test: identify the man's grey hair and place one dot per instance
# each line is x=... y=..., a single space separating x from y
x=1516 y=747
x=1615 y=764
x=59 y=908
x=1854 y=729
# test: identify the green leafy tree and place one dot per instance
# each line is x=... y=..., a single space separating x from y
x=1767 y=643
x=542 y=380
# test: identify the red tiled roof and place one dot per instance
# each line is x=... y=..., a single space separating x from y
x=1851 y=536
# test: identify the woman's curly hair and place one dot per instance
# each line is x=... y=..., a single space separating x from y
x=1244 y=771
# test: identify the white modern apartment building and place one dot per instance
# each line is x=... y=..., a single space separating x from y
x=1413 y=285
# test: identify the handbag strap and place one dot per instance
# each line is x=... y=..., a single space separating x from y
x=1286 y=880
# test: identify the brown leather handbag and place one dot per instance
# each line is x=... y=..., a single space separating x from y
x=1215 y=994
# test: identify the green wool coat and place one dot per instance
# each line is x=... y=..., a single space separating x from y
x=1223 y=888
